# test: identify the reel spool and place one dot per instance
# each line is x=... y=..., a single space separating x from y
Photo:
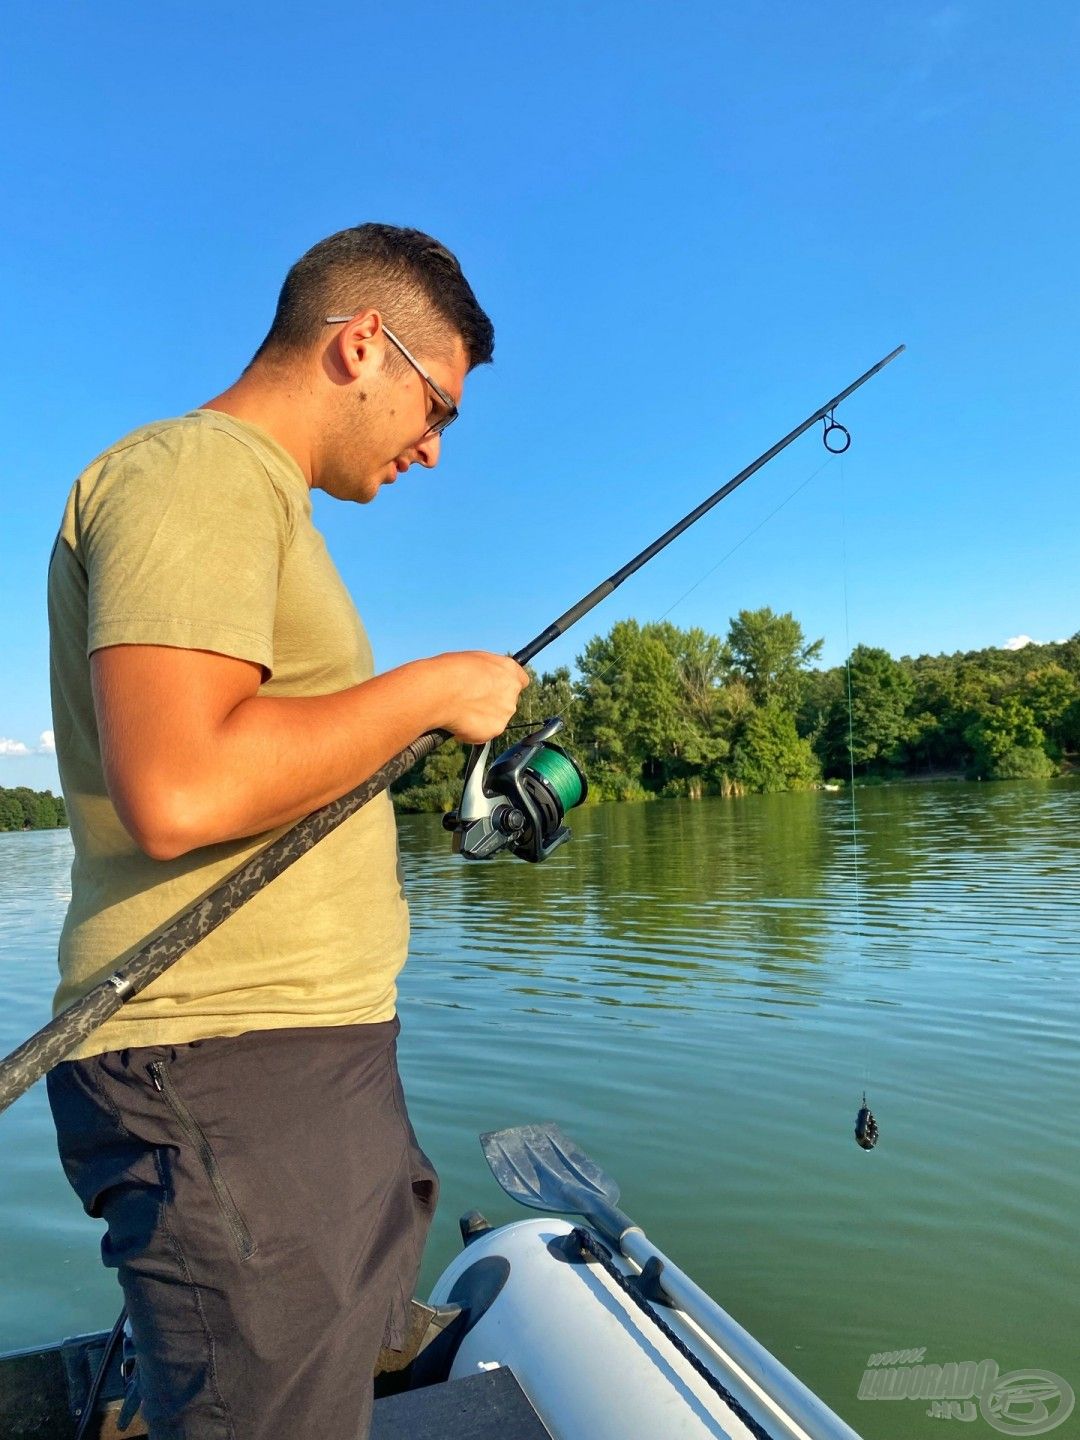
x=518 y=802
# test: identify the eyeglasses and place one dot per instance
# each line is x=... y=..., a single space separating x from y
x=450 y=409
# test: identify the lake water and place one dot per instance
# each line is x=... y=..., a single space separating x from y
x=690 y=991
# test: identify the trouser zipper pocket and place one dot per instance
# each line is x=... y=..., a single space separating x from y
x=241 y=1235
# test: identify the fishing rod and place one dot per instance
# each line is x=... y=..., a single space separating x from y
x=524 y=814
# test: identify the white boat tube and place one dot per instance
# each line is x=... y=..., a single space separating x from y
x=595 y=1367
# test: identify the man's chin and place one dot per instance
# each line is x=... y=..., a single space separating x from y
x=368 y=489
x=360 y=489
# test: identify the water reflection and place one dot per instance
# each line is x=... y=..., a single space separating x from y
x=769 y=900
x=652 y=902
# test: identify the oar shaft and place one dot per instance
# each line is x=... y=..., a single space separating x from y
x=792 y=1398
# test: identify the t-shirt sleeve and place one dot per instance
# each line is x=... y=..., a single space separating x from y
x=183 y=536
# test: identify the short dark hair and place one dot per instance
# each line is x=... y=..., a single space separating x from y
x=407 y=274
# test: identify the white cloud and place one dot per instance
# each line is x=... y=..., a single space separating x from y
x=1019 y=641
x=46 y=746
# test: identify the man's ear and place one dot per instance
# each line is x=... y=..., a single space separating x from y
x=360 y=345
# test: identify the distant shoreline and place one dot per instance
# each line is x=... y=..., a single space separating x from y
x=37 y=830
x=24 y=809
x=937 y=777
x=831 y=787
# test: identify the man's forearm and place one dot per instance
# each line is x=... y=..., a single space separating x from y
x=276 y=760
x=194 y=755
x=271 y=761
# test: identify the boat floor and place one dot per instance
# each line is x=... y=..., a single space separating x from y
x=488 y=1406
x=38 y=1390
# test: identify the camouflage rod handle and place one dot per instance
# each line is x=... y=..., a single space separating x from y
x=54 y=1041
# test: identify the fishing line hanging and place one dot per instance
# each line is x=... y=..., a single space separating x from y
x=866 y=1127
x=519 y=801
x=533 y=778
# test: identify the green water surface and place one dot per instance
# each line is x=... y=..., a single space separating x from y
x=692 y=992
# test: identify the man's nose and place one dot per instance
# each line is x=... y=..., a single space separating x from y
x=427 y=451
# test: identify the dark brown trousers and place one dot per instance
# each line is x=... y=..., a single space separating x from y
x=267 y=1206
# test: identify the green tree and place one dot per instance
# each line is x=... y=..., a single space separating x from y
x=870 y=730
x=607 y=708
x=653 y=708
x=822 y=692
x=11 y=815
x=1024 y=763
x=51 y=810
x=28 y=801
x=435 y=783
x=658 y=710
x=545 y=696
x=999 y=732
x=1070 y=727
x=770 y=652
x=770 y=755
x=1066 y=653
x=949 y=696
x=703 y=662
x=1051 y=693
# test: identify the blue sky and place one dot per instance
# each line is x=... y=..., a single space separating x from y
x=691 y=225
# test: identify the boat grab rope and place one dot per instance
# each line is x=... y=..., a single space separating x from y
x=589 y=1245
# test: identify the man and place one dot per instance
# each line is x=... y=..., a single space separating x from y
x=240 y=1124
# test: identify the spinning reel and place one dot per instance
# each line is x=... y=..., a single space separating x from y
x=518 y=802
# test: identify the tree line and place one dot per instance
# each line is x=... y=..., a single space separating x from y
x=658 y=711
x=25 y=809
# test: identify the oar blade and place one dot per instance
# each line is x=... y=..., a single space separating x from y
x=539 y=1166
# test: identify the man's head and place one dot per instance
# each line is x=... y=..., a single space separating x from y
x=375 y=330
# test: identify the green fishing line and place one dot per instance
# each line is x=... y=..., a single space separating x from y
x=561 y=774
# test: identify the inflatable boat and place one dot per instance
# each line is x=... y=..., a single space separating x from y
x=542 y=1329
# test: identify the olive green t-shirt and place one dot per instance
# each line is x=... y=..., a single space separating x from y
x=197 y=533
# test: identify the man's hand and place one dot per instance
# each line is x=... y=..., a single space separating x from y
x=481 y=691
x=194 y=755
